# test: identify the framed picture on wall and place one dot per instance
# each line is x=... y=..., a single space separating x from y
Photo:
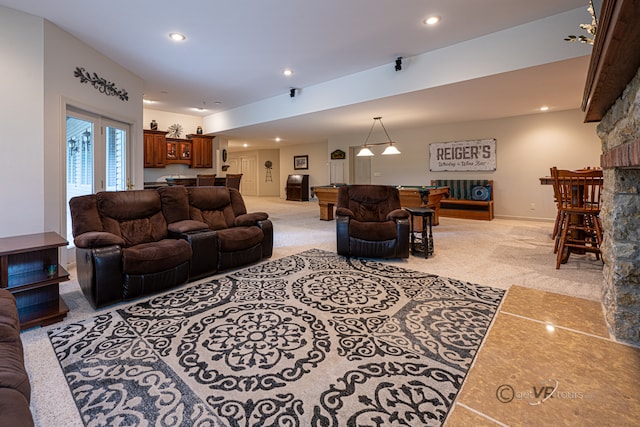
x=301 y=162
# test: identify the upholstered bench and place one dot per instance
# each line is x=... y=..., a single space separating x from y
x=468 y=198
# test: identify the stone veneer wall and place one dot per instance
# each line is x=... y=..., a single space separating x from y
x=619 y=131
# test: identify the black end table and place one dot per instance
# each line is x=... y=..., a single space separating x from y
x=422 y=240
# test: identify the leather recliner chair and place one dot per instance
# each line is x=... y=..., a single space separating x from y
x=370 y=222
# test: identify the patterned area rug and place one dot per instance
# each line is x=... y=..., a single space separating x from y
x=313 y=339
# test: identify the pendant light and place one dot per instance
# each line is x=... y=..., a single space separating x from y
x=366 y=152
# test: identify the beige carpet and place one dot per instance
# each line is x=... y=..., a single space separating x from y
x=498 y=253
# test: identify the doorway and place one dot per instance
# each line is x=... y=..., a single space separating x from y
x=247 y=165
x=359 y=167
x=96 y=153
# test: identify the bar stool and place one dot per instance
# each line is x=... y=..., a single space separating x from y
x=580 y=229
x=422 y=240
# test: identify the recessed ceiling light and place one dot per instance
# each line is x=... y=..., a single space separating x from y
x=245 y=145
x=287 y=72
x=544 y=108
x=177 y=37
x=432 y=20
x=277 y=139
x=148 y=101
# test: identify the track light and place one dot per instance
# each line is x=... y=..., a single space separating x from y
x=399 y=63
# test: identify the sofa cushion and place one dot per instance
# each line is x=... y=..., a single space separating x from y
x=211 y=205
x=239 y=238
x=155 y=256
x=373 y=231
x=12 y=371
x=463 y=188
x=209 y=198
x=175 y=203
x=14 y=409
x=136 y=216
x=8 y=311
x=84 y=214
x=369 y=202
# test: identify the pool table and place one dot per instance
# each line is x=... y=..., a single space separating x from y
x=409 y=196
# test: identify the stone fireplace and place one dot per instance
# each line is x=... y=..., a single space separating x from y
x=619 y=131
x=612 y=96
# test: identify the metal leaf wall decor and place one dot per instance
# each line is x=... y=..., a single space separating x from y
x=100 y=83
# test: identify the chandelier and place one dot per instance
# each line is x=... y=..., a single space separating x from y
x=366 y=152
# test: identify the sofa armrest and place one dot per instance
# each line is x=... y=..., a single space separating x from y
x=204 y=246
x=403 y=237
x=344 y=212
x=267 y=243
x=397 y=214
x=187 y=226
x=99 y=272
x=342 y=234
x=96 y=239
x=249 y=219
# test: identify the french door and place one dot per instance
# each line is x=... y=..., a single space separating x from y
x=96 y=157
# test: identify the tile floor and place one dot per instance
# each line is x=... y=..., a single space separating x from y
x=548 y=360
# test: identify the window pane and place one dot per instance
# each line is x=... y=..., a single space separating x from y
x=116 y=159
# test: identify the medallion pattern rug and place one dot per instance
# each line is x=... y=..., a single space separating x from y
x=313 y=339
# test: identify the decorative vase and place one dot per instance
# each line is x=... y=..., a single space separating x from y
x=199 y=130
x=154 y=125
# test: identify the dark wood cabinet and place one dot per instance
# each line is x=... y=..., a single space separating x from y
x=29 y=269
x=202 y=154
x=298 y=188
x=155 y=149
x=160 y=151
x=179 y=151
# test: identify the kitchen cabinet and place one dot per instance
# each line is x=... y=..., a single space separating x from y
x=202 y=151
x=179 y=151
x=155 y=149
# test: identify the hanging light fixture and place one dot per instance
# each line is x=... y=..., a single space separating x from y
x=366 y=152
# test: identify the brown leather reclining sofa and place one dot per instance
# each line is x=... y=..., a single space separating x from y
x=133 y=243
x=15 y=390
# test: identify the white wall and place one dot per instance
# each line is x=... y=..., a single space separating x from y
x=527 y=146
x=165 y=119
x=21 y=115
x=318 y=164
x=62 y=54
x=272 y=187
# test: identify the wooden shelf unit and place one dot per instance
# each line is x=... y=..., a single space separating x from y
x=24 y=271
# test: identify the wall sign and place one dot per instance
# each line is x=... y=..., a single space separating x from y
x=472 y=155
x=338 y=155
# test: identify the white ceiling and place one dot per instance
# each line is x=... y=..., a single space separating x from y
x=236 y=50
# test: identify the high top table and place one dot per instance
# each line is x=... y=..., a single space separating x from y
x=422 y=238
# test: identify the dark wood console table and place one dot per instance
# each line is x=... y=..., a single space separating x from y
x=30 y=270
